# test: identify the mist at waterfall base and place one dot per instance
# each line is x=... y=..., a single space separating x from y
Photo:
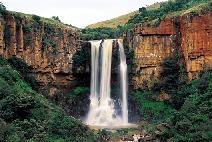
x=105 y=111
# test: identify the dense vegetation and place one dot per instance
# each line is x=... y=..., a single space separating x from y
x=104 y=32
x=176 y=6
x=188 y=112
x=27 y=116
x=193 y=121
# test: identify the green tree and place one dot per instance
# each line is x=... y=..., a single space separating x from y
x=56 y=18
x=2 y=7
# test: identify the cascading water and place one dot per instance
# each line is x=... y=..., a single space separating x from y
x=124 y=80
x=102 y=110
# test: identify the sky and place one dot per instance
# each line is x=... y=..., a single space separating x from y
x=79 y=13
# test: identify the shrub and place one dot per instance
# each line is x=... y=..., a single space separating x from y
x=16 y=106
x=9 y=75
x=169 y=76
x=2 y=8
x=67 y=128
x=28 y=116
x=4 y=131
x=36 y=23
x=192 y=122
x=18 y=64
x=36 y=18
x=26 y=28
x=98 y=33
x=165 y=8
x=46 y=41
x=76 y=102
x=56 y=18
x=7 y=35
x=23 y=68
x=5 y=89
x=3 y=61
x=151 y=109
x=81 y=59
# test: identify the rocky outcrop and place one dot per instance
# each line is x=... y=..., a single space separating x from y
x=190 y=34
x=48 y=49
x=196 y=42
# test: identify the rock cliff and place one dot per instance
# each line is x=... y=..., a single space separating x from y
x=48 y=49
x=191 y=34
x=54 y=55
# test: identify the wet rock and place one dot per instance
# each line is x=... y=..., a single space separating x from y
x=149 y=138
x=141 y=124
x=127 y=138
x=136 y=137
x=162 y=127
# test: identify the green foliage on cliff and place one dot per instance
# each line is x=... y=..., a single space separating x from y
x=2 y=7
x=172 y=80
x=19 y=65
x=151 y=15
x=169 y=7
x=150 y=109
x=81 y=59
x=78 y=100
x=193 y=121
x=42 y=20
x=188 y=112
x=27 y=116
x=169 y=76
x=56 y=18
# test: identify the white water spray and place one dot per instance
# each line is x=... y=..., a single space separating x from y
x=124 y=80
x=102 y=110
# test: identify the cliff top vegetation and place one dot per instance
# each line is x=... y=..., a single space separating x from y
x=152 y=14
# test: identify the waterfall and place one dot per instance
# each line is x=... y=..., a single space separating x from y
x=102 y=110
x=123 y=80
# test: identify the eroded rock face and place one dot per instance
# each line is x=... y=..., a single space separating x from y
x=196 y=43
x=151 y=46
x=47 y=49
x=189 y=34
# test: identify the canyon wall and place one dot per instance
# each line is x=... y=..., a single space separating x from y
x=196 y=31
x=59 y=61
x=190 y=34
x=47 y=49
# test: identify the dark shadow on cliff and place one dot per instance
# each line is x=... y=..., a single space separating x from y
x=171 y=79
x=81 y=64
x=24 y=70
x=133 y=108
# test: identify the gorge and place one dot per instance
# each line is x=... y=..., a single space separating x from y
x=153 y=71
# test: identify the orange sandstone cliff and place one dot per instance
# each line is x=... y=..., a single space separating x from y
x=46 y=48
x=190 y=34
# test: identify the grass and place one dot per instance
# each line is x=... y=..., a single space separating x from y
x=120 y=20
x=43 y=20
x=115 y=22
x=150 y=109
